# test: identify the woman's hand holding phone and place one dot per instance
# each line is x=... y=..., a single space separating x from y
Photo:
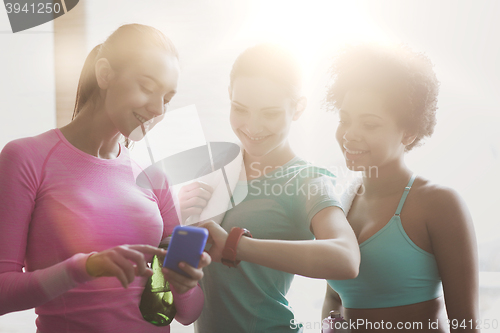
x=181 y=283
x=185 y=251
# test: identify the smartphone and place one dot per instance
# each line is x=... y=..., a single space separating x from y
x=186 y=245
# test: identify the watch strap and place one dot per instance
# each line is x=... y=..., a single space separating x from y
x=229 y=251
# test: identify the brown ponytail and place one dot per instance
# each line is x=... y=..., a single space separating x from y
x=87 y=85
x=119 y=49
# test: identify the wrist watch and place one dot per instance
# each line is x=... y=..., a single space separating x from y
x=229 y=252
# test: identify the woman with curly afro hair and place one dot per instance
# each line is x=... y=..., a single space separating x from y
x=418 y=248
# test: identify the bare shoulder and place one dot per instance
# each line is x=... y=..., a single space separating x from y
x=434 y=197
x=442 y=206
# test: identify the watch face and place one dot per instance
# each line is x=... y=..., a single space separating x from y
x=246 y=232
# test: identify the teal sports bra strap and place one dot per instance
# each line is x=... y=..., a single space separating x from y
x=405 y=194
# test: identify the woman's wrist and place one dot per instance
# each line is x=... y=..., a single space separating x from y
x=185 y=294
x=78 y=268
x=244 y=247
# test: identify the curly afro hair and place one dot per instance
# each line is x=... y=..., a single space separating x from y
x=404 y=77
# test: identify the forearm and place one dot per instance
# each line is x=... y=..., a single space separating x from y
x=461 y=295
x=324 y=259
x=463 y=312
x=188 y=305
x=330 y=304
x=21 y=291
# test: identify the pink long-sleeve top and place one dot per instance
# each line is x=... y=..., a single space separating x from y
x=57 y=206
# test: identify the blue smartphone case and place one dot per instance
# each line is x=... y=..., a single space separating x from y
x=186 y=245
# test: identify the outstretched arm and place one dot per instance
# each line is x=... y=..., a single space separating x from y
x=21 y=291
x=333 y=255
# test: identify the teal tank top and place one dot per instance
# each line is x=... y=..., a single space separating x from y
x=394 y=271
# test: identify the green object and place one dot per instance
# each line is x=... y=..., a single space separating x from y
x=157 y=302
x=402 y=272
x=279 y=205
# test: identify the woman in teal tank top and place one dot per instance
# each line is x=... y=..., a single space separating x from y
x=416 y=238
x=296 y=229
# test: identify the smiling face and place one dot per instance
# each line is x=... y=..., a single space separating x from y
x=261 y=114
x=136 y=95
x=368 y=133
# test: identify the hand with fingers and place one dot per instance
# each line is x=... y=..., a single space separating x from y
x=193 y=198
x=217 y=237
x=181 y=283
x=125 y=262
